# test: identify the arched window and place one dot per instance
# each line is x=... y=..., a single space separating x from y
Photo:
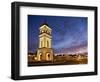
x=41 y=57
x=47 y=43
x=41 y=43
x=48 y=56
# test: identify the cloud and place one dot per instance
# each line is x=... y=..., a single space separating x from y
x=76 y=49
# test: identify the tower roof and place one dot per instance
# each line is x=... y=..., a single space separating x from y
x=45 y=25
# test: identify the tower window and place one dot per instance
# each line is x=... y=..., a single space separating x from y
x=41 y=43
x=48 y=55
x=47 y=43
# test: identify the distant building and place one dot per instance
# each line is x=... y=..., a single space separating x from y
x=45 y=51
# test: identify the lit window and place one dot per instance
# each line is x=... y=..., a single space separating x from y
x=47 y=43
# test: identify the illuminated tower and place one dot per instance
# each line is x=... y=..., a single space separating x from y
x=45 y=51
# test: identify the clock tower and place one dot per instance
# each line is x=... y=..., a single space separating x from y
x=45 y=51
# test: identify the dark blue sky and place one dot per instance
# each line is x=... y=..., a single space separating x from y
x=69 y=34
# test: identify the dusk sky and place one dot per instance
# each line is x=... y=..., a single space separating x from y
x=69 y=34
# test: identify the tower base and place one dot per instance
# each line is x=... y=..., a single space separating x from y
x=45 y=54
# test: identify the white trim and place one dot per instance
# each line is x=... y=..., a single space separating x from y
x=25 y=70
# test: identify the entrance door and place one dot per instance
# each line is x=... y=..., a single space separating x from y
x=48 y=57
x=40 y=57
